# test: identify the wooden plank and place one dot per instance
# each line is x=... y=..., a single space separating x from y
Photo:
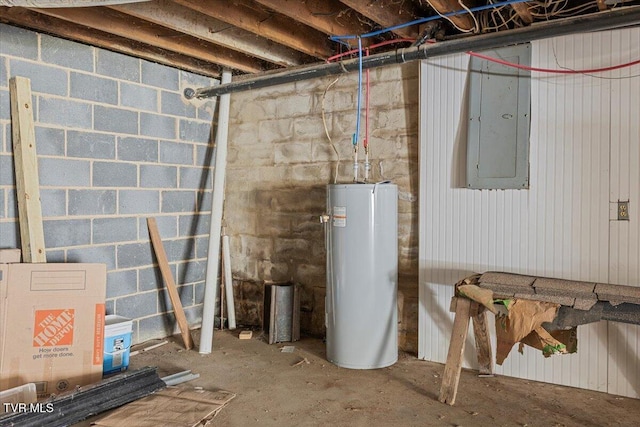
x=26 y=167
x=69 y=30
x=163 y=263
x=244 y=14
x=451 y=376
x=329 y=16
x=388 y=13
x=110 y=21
x=188 y=21
x=482 y=338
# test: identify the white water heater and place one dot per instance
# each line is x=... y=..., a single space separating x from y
x=362 y=275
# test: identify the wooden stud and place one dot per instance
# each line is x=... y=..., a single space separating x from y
x=163 y=263
x=26 y=167
x=451 y=376
x=483 y=340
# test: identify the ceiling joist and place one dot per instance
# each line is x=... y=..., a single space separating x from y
x=179 y=18
x=108 y=21
x=388 y=13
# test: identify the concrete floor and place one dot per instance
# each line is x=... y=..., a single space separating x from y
x=274 y=389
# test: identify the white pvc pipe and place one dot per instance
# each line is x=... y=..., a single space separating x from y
x=211 y=279
x=228 y=282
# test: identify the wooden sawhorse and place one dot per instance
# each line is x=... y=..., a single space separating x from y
x=465 y=309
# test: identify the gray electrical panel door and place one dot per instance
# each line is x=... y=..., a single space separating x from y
x=499 y=120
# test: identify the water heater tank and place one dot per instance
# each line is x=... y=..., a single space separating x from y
x=362 y=275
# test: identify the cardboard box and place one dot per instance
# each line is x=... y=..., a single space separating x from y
x=8 y=256
x=51 y=325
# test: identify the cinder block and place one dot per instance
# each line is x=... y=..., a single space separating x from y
x=204 y=155
x=185 y=293
x=607 y=292
x=117 y=65
x=55 y=256
x=71 y=114
x=176 y=153
x=152 y=176
x=49 y=141
x=134 y=255
x=192 y=80
x=293 y=152
x=206 y=110
x=138 y=97
x=151 y=278
x=138 y=202
x=192 y=271
x=180 y=249
x=112 y=230
x=198 y=293
x=94 y=88
x=101 y=254
x=194 y=225
x=167 y=227
x=507 y=279
x=202 y=247
x=195 y=178
x=178 y=201
x=91 y=145
x=66 y=53
x=138 y=149
x=160 y=76
x=7 y=170
x=175 y=104
x=64 y=172
x=160 y=326
x=112 y=174
x=191 y=130
x=92 y=202
x=568 y=287
x=10 y=232
x=116 y=120
x=138 y=305
x=12 y=204
x=157 y=125
x=3 y=213
x=204 y=200
x=18 y=42
x=109 y=307
x=121 y=283
x=61 y=233
x=44 y=79
x=4 y=81
x=5 y=105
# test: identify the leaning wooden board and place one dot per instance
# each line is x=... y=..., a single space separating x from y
x=26 y=166
x=163 y=263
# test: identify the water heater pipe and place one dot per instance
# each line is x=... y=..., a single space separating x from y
x=220 y=167
x=607 y=20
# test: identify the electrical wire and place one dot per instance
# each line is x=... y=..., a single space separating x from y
x=551 y=70
x=326 y=130
x=423 y=20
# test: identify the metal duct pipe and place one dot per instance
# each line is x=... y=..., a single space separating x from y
x=593 y=22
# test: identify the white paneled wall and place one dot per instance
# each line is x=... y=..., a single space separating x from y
x=584 y=154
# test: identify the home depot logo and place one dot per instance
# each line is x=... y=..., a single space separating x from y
x=53 y=327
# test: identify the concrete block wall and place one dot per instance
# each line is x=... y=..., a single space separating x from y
x=116 y=143
x=280 y=162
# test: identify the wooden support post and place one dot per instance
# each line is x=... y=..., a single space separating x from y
x=483 y=340
x=26 y=166
x=451 y=375
x=163 y=263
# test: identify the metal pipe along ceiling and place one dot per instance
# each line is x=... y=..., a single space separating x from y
x=615 y=18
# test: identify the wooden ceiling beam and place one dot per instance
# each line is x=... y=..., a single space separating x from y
x=68 y=30
x=180 y=18
x=388 y=13
x=109 y=21
x=251 y=17
x=329 y=16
